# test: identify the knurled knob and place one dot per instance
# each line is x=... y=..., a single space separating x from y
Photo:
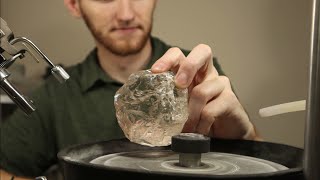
x=190 y=143
x=190 y=146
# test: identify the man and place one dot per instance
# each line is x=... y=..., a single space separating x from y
x=82 y=110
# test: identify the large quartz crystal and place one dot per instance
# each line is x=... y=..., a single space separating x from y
x=150 y=109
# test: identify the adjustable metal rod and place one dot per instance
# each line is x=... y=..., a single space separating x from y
x=23 y=39
x=22 y=102
x=16 y=47
x=311 y=161
x=58 y=72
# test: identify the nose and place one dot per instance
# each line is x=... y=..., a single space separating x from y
x=125 y=10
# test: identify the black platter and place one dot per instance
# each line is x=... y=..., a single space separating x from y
x=75 y=160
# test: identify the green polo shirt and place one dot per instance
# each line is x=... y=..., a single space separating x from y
x=79 y=111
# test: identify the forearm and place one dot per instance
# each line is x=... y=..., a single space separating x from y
x=7 y=176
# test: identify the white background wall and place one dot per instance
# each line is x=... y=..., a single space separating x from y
x=263 y=46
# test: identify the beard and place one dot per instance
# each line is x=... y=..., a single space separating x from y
x=123 y=46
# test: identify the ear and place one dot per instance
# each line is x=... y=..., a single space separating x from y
x=73 y=7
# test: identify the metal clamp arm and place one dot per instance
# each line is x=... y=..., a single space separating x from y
x=22 y=102
x=16 y=47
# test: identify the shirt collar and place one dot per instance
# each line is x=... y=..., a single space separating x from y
x=92 y=73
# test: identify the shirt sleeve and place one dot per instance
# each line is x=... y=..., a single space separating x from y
x=27 y=145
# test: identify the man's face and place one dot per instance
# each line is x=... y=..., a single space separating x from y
x=121 y=26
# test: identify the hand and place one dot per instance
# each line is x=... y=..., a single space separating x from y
x=214 y=109
x=4 y=175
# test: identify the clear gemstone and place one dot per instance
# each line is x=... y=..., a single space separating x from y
x=150 y=109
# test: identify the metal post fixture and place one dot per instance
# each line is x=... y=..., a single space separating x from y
x=15 y=48
x=311 y=161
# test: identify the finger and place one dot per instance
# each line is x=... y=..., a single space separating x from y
x=213 y=110
x=199 y=97
x=197 y=65
x=169 y=61
x=226 y=105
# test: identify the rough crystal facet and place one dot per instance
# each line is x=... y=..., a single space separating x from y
x=150 y=109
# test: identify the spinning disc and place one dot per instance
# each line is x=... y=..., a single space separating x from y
x=213 y=163
x=225 y=160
